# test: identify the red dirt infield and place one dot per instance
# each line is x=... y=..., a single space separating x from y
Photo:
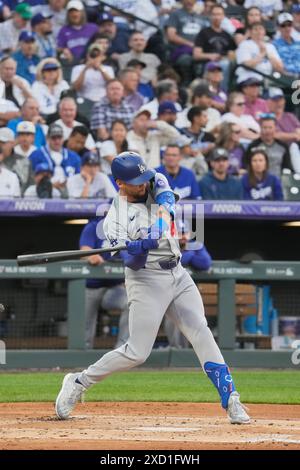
x=147 y=426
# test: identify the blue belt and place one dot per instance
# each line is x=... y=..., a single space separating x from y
x=169 y=264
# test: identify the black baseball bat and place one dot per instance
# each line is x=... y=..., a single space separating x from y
x=52 y=257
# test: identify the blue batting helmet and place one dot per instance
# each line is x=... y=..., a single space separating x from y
x=131 y=168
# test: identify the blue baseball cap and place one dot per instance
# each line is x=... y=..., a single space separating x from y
x=41 y=168
x=105 y=17
x=212 y=66
x=39 y=18
x=50 y=66
x=131 y=168
x=27 y=36
x=90 y=158
x=296 y=8
x=167 y=107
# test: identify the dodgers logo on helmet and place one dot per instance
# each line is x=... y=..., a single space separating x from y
x=142 y=168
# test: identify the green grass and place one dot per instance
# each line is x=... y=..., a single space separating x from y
x=163 y=385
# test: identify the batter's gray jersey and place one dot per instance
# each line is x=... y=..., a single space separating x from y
x=130 y=221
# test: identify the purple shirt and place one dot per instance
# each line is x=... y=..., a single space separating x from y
x=255 y=109
x=287 y=123
x=76 y=39
x=235 y=160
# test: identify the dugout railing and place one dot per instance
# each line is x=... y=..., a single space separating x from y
x=225 y=273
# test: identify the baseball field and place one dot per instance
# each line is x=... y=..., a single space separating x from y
x=147 y=409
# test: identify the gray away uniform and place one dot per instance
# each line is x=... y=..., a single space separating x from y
x=152 y=293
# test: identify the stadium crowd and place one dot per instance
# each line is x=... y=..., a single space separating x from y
x=189 y=85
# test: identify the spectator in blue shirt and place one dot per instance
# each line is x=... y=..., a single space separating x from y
x=258 y=184
x=25 y=57
x=62 y=162
x=181 y=180
x=218 y=184
x=287 y=47
x=108 y=294
x=30 y=112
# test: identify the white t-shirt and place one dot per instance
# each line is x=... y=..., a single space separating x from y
x=249 y=50
x=48 y=101
x=101 y=186
x=106 y=149
x=213 y=115
x=90 y=143
x=246 y=120
x=267 y=7
x=9 y=183
x=19 y=151
x=7 y=106
x=94 y=85
x=31 y=192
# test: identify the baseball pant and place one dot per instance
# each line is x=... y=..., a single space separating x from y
x=152 y=294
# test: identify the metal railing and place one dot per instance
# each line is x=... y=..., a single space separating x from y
x=225 y=273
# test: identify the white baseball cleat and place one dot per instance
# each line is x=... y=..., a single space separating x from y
x=71 y=393
x=236 y=411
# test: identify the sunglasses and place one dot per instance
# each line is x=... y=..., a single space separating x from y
x=267 y=116
x=286 y=25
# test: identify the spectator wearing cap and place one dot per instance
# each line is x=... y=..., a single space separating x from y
x=67 y=110
x=89 y=80
x=287 y=124
x=77 y=140
x=42 y=27
x=57 y=10
x=213 y=74
x=257 y=54
x=9 y=182
x=181 y=180
x=110 y=107
x=7 y=141
x=49 y=85
x=18 y=161
x=30 y=112
x=277 y=151
x=43 y=187
x=10 y=29
x=202 y=142
x=73 y=37
x=215 y=44
x=229 y=138
x=118 y=37
x=202 y=97
x=16 y=89
x=250 y=128
x=254 y=105
x=25 y=134
x=182 y=28
x=137 y=45
x=217 y=183
x=147 y=137
x=167 y=112
x=129 y=78
x=145 y=89
x=90 y=182
x=26 y=58
x=287 y=48
x=258 y=183
x=166 y=90
x=62 y=162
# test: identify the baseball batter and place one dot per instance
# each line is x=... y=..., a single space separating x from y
x=156 y=285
